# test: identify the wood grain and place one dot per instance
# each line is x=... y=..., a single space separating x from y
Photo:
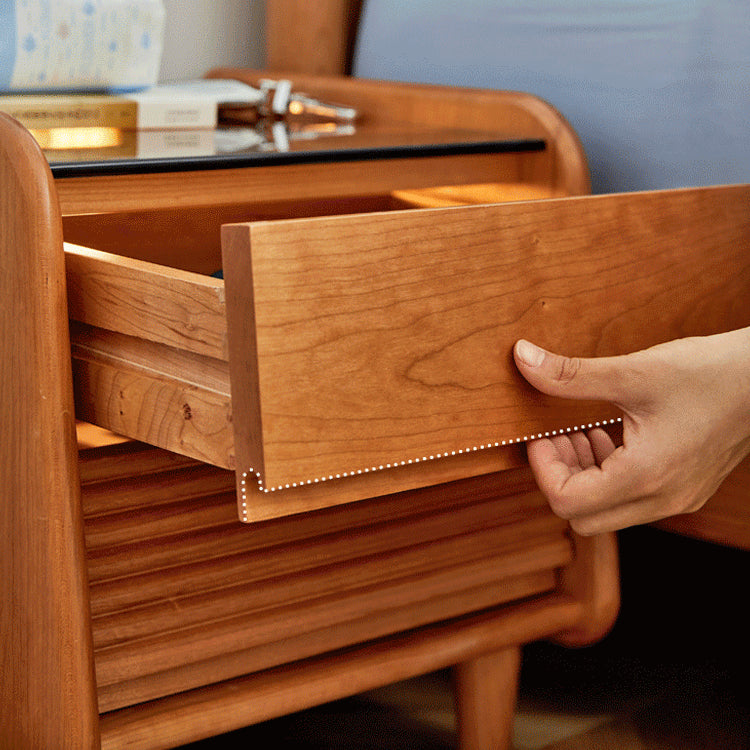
x=234 y=704
x=154 y=302
x=47 y=690
x=562 y=166
x=485 y=690
x=154 y=393
x=314 y=37
x=387 y=337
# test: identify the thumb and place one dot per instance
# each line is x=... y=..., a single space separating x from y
x=596 y=379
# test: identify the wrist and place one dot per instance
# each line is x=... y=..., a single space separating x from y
x=736 y=362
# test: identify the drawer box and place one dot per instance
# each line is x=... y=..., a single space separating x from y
x=359 y=354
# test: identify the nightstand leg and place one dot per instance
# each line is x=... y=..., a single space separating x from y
x=485 y=695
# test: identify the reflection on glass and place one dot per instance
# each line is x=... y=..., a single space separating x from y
x=102 y=144
x=63 y=139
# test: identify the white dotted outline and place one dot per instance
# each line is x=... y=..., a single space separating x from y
x=247 y=475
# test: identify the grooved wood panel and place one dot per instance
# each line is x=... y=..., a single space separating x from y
x=237 y=703
x=364 y=341
x=182 y=593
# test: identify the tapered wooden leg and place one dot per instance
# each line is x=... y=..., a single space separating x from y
x=485 y=694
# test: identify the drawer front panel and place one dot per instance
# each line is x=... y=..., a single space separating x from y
x=366 y=342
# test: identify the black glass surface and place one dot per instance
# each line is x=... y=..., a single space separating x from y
x=114 y=152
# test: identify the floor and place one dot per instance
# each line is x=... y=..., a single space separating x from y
x=670 y=676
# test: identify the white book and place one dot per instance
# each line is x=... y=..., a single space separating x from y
x=191 y=104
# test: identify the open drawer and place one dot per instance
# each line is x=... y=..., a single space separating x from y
x=348 y=356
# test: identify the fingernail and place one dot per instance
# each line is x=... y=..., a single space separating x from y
x=529 y=354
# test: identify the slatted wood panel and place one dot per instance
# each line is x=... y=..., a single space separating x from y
x=237 y=703
x=182 y=594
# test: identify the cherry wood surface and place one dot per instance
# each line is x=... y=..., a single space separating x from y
x=485 y=690
x=183 y=595
x=47 y=696
x=136 y=610
x=185 y=622
x=236 y=703
x=726 y=518
x=363 y=341
x=311 y=36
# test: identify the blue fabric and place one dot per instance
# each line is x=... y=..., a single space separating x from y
x=7 y=42
x=658 y=90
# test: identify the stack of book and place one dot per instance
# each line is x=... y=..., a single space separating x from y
x=168 y=118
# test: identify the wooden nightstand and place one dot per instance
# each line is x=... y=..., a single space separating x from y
x=137 y=610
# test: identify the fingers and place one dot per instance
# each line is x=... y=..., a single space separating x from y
x=597 y=379
x=585 y=477
x=602 y=444
x=577 y=450
x=584 y=451
x=620 y=517
x=579 y=474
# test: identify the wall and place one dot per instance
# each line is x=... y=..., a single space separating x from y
x=202 y=34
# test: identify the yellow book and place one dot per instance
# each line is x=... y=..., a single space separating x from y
x=164 y=106
x=37 y=111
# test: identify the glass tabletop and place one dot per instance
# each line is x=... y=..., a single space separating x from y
x=80 y=152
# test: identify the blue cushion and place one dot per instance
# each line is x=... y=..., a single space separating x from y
x=658 y=90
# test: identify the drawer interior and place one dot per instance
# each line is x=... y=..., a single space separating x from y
x=189 y=238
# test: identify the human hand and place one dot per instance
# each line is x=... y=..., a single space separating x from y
x=686 y=425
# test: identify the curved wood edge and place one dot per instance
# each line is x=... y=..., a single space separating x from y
x=315 y=37
x=594 y=581
x=509 y=112
x=48 y=697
